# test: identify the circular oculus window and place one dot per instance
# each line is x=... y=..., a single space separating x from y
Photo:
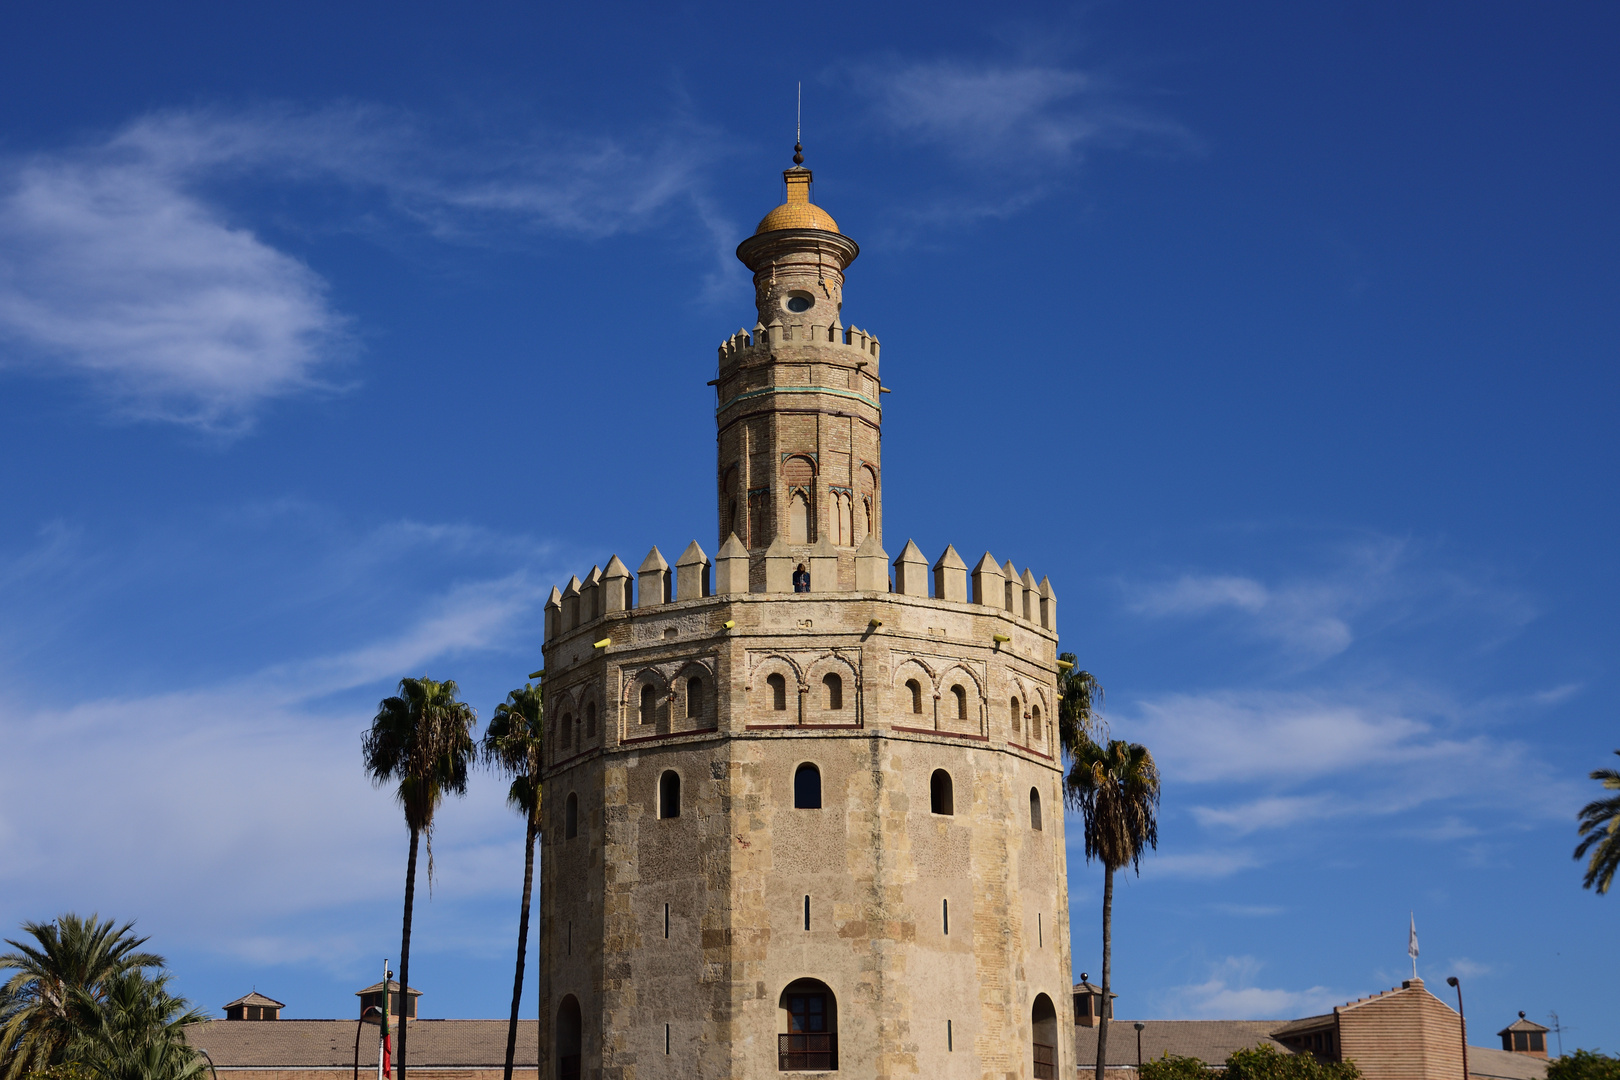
x=797 y=302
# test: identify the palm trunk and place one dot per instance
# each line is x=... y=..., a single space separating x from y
x=405 y=956
x=523 y=945
x=1108 y=945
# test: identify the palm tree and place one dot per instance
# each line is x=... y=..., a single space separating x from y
x=422 y=739
x=72 y=954
x=512 y=746
x=1600 y=828
x=136 y=1031
x=1080 y=698
x=1116 y=790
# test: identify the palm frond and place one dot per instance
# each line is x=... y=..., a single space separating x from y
x=1599 y=825
x=1116 y=789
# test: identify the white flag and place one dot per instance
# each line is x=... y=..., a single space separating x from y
x=1411 y=940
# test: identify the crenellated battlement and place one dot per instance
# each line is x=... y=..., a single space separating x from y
x=655 y=583
x=739 y=345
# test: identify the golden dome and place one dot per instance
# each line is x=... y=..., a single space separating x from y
x=798 y=212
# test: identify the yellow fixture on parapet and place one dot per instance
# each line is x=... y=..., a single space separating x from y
x=604 y=643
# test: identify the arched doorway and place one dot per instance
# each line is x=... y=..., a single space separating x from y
x=807 y=1032
x=569 y=1030
x=1043 y=1022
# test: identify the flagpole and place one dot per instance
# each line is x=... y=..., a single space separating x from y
x=382 y=1028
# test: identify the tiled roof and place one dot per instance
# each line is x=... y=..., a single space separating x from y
x=1503 y=1065
x=256 y=998
x=329 y=1044
x=1307 y=1023
x=1211 y=1041
x=1521 y=1024
x=393 y=984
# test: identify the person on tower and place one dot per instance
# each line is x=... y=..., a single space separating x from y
x=801 y=579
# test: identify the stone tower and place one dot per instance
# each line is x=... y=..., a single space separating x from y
x=802 y=831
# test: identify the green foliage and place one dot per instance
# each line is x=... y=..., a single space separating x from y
x=1116 y=790
x=513 y=744
x=1080 y=698
x=1584 y=1065
x=1266 y=1062
x=421 y=740
x=1174 y=1067
x=81 y=1006
x=135 y=1030
x=68 y=1070
x=68 y=961
x=1599 y=823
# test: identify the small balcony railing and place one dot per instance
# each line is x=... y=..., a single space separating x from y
x=807 y=1052
x=1045 y=1062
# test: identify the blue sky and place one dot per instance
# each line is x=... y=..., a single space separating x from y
x=1282 y=337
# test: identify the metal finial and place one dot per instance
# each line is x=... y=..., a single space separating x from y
x=798 y=130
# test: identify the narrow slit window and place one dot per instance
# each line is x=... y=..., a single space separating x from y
x=778 y=687
x=666 y=922
x=1035 y=809
x=916 y=694
x=961 y=702
x=949 y=1043
x=1017 y=716
x=807 y=911
x=694 y=698
x=649 y=703
x=1040 y=931
x=945 y=915
x=1035 y=731
x=666 y=1038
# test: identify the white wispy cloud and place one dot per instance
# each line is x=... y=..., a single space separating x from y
x=1007 y=116
x=122 y=262
x=243 y=802
x=1310 y=618
x=1198 y=865
x=1229 y=994
x=111 y=269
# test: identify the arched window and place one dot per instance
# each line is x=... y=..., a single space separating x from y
x=846 y=521
x=571 y=817
x=778 y=687
x=916 y=694
x=1017 y=717
x=961 y=702
x=590 y=719
x=568 y=730
x=1043 y=1022
x=569 y=1031
x=1035 y=809
x=649 y=703
x=807 y=787
x=807 y=1032
x=669 y=794
x=940 y=798
x=1035 y=729
x=832 y=697
x=799 y=519
x=694 y=698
